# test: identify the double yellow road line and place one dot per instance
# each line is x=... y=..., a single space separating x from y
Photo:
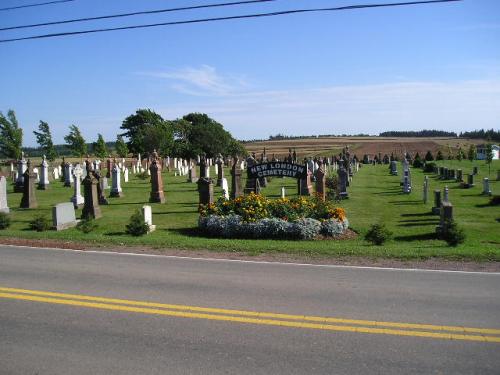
x=260 y=318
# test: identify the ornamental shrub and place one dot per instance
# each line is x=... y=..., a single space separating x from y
x=452 y=233
x=86 y=225
x=137 y=226
x=333 y=227
x=40 y=223
x=4 y=220
x=306 y=228
x=495 y=200
x=429 y=167
x=378 y=234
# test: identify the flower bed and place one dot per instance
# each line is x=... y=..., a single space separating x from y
x=255 y=216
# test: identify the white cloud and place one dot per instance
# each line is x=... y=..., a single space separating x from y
x=456 y=106
x=202 y=81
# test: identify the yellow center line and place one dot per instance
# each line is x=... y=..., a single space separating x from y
x=257 y=314
x=252 y=317
x=241 y=319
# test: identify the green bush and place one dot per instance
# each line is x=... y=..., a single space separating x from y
x=495 y=200
x=452 y=233
x=87 y=225
x=429 y=167
x=137 y=226
x=4 y=220
x=378 y=234
x=40 y=223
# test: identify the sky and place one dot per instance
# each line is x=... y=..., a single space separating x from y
x=345 y=72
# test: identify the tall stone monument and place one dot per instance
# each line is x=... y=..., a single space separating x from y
x=77 y=198
x=3 y=195
x=29 y=199
x=157 y=194
x=321 y=181
x=236 y=179
x=116 y=188
x=91 y=209
x=44 y=175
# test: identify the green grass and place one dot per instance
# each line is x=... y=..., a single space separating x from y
x=375 y=196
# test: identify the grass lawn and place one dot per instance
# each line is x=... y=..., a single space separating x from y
x=375 y=196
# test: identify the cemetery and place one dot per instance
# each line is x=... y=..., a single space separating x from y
x=321 y=206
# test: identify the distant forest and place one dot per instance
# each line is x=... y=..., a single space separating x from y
x=420 y=133
x=482 y=134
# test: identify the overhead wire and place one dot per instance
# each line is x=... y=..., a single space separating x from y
x=226 y=18
x=36 y=5
x=86 y=19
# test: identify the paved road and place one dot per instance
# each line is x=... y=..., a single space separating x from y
x=64 y=312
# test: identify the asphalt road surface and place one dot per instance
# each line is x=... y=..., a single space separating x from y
x=67 y=312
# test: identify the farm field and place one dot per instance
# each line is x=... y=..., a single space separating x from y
x=375 y=196
x=311 y=147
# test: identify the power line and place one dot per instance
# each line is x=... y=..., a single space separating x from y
x=215 y=19
x=135 y=14
x=36 y=5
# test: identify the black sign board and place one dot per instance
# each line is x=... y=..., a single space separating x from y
x=277 y=168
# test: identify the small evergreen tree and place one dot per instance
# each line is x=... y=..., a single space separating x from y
x=439 y=155
x=489 y=156
x=76 y=142
x=44 y=140
x=460 y=154
x=417 y=161
x=450 y=153
x=100 y=149
x=121 y=147
x=428 y=156
x=472 y=153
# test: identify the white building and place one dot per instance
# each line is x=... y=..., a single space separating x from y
x=481 y=152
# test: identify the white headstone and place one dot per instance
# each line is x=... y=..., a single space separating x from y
x=486 y=186
x=63 y=216
x=116 y=189
x=68 y=174
x=133 y=169
x=216 y=167
x=148 y=217
x=44 y=175
x=3 y=195
x=283 y=193
x=37 y=173
x=225 y=188
x=208 y=171
x=125 y=175
x=21 y=168
x=77 y=198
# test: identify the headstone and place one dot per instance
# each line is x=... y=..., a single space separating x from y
x=283 y=192
x=109 y=167
x=475 y=171
x=37 y=175
x=451 y=174
x=236 y=179
x=205 y=190
x=148 y=217
x=29 y=200
x=21 y=168
x=486 y=186
x=56 y=173
x=91 y=209
x=44 y=175
x=225 y=188
x=157 y=194
x=125 y=175
x=394 y=168
x=446 y=194
x=445 y=216
x=116 y=188
x=68 y=172
x=252 y=184
x=406 y=184
x=77 y=197
x=445 y=174
x=63 y=216
x=470 y=180
x=321 y=181
x=342 y=183
x=3 y=195
x=426 y=189
x=192 y=175
x=305 y=185
x=459 y=177
x=437 y=202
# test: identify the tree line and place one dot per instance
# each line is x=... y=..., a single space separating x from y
x=418 y=133
x=490 y=135
x=145 y=131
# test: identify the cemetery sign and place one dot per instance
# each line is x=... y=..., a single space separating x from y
x=277 y=168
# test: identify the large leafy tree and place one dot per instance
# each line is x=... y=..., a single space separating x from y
x=159 y=137
x=135 y=128
x=121 y=147
x=44 y=140
x=100 y=149
x=11 y=136
x=75 y=141
x=196 y=134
